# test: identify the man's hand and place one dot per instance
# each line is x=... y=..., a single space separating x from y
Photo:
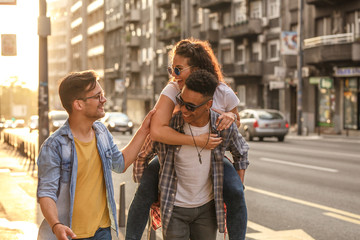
x=61 y=232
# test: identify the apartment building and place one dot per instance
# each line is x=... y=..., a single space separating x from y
x=58 y=49
x=128 y=42
x=332 y=52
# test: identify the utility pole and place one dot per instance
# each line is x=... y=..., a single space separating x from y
x=299 y=67
x=43 y=100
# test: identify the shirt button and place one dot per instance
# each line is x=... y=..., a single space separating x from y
x=172 y=194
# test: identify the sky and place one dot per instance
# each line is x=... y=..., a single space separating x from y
x=21 y=19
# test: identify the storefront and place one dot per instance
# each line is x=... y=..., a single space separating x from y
x=350 y=77
x=325 y=101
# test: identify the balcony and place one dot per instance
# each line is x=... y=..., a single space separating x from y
x=133 y=15
x=170 y=32
x=323 y=3
x=332 y=48
x=215 y=4
x=139 y=93
x=133 y=41
x=253 y=69
x=161 y=71
x=133 y=67
x=211 y=35
x=248 y=28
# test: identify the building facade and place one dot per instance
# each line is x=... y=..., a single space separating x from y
x=128 y=43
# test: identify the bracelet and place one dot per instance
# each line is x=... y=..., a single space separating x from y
x=52 y=229
x=235 y=115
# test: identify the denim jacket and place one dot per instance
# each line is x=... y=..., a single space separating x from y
x=57 y=173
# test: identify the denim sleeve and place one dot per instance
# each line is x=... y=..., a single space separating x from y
x=48 y=172
x=117 y=158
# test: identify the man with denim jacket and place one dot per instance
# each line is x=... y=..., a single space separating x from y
x=75 y=189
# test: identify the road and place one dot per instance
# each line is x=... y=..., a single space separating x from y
x=303 y=188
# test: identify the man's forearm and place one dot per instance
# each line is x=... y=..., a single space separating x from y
x=49 y=210
x=241 y=174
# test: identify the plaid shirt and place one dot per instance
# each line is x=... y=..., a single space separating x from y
x=232 y=141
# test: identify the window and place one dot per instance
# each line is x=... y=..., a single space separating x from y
x=256 y=52
x=197 y=15
x=273 y=8
x=214 y=19
x=255 y=9
x=240 y=11
x=226 y=53
x=240 y=54
x=351 y=114
x=273 y=50
x=241 y=92
x=323 y=26
x=226 y=19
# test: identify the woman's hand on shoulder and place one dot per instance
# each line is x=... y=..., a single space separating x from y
x=225 y=119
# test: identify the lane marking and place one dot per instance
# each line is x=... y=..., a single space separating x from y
x=300 y=165
x=259 y=228
x=306 y=203
x=314 y=151
x=347 y=219
x=297 y=234
x=4 y=170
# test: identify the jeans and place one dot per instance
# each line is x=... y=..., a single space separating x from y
x=100 y=234
x=197 y=223
x=147 y=193
x=145 y=196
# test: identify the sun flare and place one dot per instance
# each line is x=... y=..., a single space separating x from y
x=21 y=19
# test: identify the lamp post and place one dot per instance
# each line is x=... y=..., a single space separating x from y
x=299 y=67
x=43 y=100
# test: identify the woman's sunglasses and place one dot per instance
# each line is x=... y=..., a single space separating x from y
x=189 y=106
x=176 y=70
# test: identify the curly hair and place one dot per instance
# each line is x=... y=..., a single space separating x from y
x=203 y=82
x=200 y=55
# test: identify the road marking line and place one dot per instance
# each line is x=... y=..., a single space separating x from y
x=300 y=165
x=306 y=203
x=297 y=234
x=259 y=228
x=4 y=170
x=347 y=219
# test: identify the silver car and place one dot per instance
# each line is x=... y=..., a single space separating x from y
x=263 y=123
x=118 y=122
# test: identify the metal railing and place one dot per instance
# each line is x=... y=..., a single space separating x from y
x=331 y=40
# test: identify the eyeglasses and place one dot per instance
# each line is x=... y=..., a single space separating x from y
x=176 y=70
x=98 y=96
x=189 y=106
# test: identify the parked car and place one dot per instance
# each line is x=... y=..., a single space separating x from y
x=263 y=123
x=19 y=123
x=57 y=119
x=118 y=121
x=33 y=123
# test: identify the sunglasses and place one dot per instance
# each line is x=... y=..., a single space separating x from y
x=189 y=106
x=176 y=70
x=98 y=96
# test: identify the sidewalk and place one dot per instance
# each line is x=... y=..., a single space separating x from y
x=19 y=212
x=325 y=137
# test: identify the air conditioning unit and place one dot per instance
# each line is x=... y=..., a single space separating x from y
x=265 y=22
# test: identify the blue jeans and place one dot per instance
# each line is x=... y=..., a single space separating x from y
x=147 y=193
x=197 y=223
x=100 y=234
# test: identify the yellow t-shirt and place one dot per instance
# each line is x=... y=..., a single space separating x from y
x=90 y=205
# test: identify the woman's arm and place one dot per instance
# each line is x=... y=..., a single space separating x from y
x=161 y=132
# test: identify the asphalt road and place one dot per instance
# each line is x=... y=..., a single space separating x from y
x=303 y=188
